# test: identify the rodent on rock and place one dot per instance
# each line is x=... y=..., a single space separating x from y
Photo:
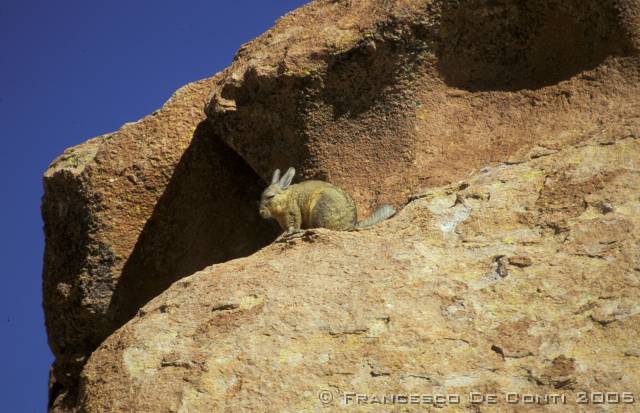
x=313 y=204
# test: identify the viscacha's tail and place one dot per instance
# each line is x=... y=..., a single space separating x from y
x=383 y=212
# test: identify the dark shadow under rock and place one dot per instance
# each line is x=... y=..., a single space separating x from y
x=207 y=215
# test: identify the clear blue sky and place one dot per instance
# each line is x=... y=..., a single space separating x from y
x=69 y=71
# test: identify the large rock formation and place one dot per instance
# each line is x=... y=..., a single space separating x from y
x=385 y=99
x=524 y=278
x=128 y=213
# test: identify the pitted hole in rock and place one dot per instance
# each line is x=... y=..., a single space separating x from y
x=514 y=44
x=207 y=215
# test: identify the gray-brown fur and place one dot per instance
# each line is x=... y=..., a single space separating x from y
x=313 y=204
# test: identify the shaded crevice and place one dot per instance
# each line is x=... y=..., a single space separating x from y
x=207 y=215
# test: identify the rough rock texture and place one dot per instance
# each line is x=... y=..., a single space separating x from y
x=383 y=97
x=128 y=213
x=524 y=278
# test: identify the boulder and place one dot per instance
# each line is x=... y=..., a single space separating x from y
x=521 y=280
x=128 y=213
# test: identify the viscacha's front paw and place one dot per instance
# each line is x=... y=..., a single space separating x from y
x=293 y=234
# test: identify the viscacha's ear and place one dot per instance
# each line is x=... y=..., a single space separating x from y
x=276 y=176
x=287 y=178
